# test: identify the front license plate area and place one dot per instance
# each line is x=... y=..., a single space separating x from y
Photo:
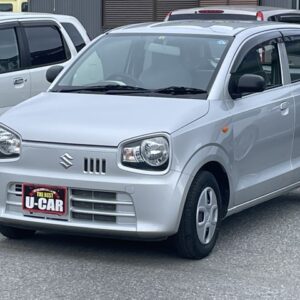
x=44 y=201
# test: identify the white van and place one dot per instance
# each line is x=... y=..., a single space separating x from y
x=29 y=44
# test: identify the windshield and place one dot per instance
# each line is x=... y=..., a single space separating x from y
x=170 y=64
x=6 y=7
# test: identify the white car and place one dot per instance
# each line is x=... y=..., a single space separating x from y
x=29 y=44
x=237 y=12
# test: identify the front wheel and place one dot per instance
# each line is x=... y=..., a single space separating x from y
x=16 y=233
x=201 y=218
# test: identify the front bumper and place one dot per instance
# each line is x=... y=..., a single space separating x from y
x=101 y=201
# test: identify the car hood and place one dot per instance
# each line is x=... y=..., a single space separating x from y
x=102 y=120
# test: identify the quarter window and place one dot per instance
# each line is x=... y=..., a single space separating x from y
x=25 y=6
x=9 y=53
x=74 y=35
x=292 y=48
x=46 y=45
x=262 y=60
x=289 y=18
x=6 y=7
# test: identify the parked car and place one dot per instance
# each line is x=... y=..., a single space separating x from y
x=29 y=44
x=14 y=5
x=237 y=12
x=157 y=131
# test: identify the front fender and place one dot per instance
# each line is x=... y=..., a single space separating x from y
x=207 y=154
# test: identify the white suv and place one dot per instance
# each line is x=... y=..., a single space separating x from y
x=237 y=12
x=29 y=44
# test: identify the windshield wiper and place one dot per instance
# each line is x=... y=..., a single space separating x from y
x=102 y=89
x=179 y=90
x=126 y=89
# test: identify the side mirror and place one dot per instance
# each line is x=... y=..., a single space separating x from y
x=53 y=72
x=248 y=83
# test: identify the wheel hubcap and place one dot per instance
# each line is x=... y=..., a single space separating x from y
x=207 y=215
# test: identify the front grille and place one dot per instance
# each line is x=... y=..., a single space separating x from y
x=14 y=198
x=92 y=206
x=99 y=206
x=94 y=166
x=15 y=189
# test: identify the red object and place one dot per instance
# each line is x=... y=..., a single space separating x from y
x=169 y=14
x=211 y=11
x=56 y=189
x=260 y=16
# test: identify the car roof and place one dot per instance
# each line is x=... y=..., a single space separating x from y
x=200 y=27
x=246 y=9
x=7 y=16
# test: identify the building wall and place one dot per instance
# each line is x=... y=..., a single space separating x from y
x=280 y=3
x=89 y=12
x=100 y=15
x=122 y=12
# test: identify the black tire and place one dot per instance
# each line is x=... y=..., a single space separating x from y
x=16 y=233
x=187 y=241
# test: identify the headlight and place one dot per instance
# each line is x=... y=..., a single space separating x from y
x=150 y=154
x=10 y=144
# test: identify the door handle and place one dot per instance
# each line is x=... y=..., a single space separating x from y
x=18 y=81
x=284 y=106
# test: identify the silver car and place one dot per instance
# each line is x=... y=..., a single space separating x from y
x=155 y=131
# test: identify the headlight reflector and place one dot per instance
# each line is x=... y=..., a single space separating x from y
x=155 y=152
x=10 y=144
x=148 y=154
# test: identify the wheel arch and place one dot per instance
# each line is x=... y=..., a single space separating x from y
x=215 y=160
x=218 y=171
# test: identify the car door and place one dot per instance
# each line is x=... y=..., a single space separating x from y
x=47 y=47
x=14 y=77
x=292 y=44
x=263 y=123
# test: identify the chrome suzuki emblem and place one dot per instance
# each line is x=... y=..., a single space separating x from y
x=66 y=160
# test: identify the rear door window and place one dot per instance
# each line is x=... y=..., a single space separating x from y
x=46 y=45
x=6 y=7
x=9 y=52
x=74 y=35
x=288 y=18
x=292 y=48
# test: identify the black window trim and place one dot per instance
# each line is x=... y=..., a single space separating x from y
x=63 y=24
x=15 y=25
x=11 y=6
x=46 y=23
x=277 y=18
x=270 y=37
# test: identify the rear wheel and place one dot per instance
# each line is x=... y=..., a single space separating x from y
x=201 y=218
x=16 y=233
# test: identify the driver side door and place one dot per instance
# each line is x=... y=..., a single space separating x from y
x=14 y=80
x=263 y=123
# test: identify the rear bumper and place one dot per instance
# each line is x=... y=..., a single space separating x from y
x=145 y=206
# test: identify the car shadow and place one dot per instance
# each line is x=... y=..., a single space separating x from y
x=235 y=230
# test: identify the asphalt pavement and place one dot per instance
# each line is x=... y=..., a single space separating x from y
x=257 y=257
